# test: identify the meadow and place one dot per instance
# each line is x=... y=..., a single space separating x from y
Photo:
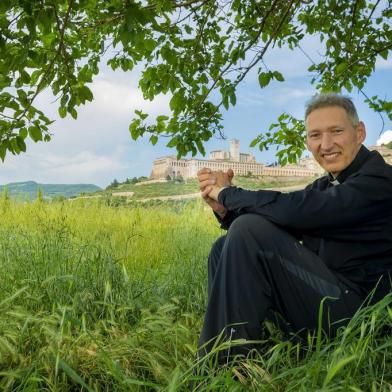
x=190 y=185
x=98 y=297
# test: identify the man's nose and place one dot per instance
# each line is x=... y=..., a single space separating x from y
x=326 y=141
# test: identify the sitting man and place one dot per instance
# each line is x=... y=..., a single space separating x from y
x=288 y=253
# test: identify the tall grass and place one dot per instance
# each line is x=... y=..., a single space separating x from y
x=111 y=299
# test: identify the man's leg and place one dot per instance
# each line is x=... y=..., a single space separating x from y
x=262 y=267
x=213 y=261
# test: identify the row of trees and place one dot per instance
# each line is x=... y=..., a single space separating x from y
x=134 y=180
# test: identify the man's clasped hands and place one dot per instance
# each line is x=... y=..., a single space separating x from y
x=210 y=184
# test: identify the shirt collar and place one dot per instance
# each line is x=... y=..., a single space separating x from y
x=354 y=166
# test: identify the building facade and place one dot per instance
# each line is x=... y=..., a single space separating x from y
x=240 y=163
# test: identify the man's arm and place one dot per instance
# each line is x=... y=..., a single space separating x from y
x=340 y=207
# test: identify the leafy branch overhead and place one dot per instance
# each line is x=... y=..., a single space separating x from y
x=196 y=50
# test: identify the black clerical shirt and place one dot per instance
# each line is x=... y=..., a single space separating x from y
x=347 y=221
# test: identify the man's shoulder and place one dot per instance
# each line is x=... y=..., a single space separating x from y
x=376 y=165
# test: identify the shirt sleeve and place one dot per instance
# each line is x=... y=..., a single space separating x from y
x=345 y=205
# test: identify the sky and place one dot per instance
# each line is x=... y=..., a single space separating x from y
x=97 y=147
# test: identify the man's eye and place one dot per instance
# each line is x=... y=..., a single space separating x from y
x=337 y=131
x=314 y=135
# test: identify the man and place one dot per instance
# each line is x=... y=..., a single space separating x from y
x=325 y=246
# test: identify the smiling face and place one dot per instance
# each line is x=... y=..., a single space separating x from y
x=332 y=139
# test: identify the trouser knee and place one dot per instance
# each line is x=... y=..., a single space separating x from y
x=252 y=229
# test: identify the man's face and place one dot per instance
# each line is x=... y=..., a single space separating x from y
x=331 y=138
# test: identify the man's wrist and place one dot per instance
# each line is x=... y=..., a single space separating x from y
x=222 y=214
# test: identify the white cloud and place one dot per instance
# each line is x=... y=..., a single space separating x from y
x=81 y=167
x=283 y=97
x=117 y=97
x=277 y=96
x=385 y=138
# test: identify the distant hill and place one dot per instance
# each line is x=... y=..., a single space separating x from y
x=29 y=189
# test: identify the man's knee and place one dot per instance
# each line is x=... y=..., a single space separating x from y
x=248 y=227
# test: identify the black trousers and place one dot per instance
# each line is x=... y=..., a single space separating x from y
x=257 y=268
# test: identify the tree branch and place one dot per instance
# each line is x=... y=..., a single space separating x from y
x=177 y=5
x=231 y=62
x=371 y=13
x=40 y=85
x=259 y=56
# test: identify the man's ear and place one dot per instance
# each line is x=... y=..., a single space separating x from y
x=361 y=132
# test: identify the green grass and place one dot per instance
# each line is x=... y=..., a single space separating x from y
x=191 y=186
x=111 y=299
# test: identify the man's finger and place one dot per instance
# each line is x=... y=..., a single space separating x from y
x=204 y=170
x=204 y=177
x=230 y=173
x=205 y=193
x=203 y=184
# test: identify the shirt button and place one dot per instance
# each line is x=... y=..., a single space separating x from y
x=346 y=291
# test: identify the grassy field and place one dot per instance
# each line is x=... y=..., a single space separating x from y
x=170 y=188
x=99 y=298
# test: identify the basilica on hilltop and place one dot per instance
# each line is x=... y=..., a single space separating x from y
x=241 y=163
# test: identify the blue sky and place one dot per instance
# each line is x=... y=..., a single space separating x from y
x=97 y=147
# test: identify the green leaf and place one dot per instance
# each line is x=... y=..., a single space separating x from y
x=200 y=147
x=177 y=102
x=140 y=114
x=225 y=100
x=21 y=144
x=278 y=76
x=62 y=111
x=85 y=92
x=254 y=142
x=341 y=68
x=35 y=133
x=3 y=152
x=384 y=54
x=264 y=79
x=134 y=129
x=74 y=113
x=153 y=139
x=150 y=44
x=173 y=142
x=23 y=133
x=233 y=99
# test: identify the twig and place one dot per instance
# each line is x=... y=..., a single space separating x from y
x=46 y=73
x=231 y=62
x=382 y=118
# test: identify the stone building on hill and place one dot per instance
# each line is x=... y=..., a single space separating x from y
x=241 y=163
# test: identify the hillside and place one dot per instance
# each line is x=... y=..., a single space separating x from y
x=151 y=190
x=29 y=189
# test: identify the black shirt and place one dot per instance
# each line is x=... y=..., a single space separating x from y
x=347 y=221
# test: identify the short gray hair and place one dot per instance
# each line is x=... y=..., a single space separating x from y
x=331 y=99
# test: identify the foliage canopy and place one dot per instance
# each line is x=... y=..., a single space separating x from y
x=196 y=50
